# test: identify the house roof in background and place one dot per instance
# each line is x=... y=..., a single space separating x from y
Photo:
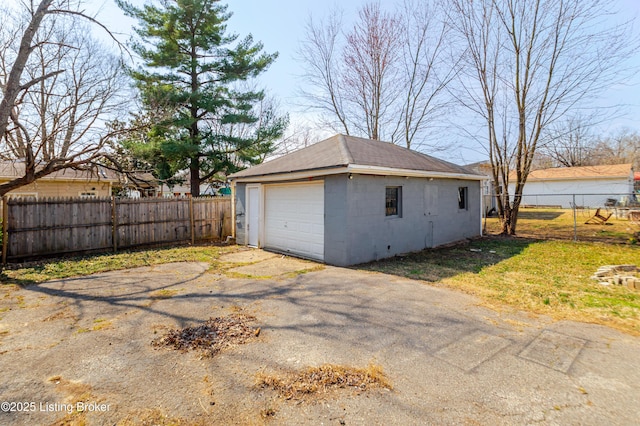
x=342 y=151
x=584 y=172
x=481 y=167
x=11 y=170
x=139 y=180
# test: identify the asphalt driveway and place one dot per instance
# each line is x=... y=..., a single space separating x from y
x=450 y=360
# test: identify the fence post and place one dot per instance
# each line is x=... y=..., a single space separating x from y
x=575 y=219
x=192 y=222
x=5 y=228
x=114 y=227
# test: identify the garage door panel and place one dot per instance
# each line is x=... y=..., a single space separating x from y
x=294 y=219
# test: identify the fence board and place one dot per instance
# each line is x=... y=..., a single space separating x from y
x=74 y=225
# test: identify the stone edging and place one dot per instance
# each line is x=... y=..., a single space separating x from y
x=628 y=275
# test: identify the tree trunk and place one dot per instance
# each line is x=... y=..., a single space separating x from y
x=194 y=177
x=13 y=86
x=509 y=218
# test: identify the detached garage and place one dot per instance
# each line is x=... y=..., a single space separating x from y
x=348 y=200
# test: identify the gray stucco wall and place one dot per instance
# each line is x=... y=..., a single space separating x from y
x=336 y=224
x=357 y=230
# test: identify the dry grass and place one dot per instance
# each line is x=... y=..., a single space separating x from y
x=75 y=392
x=320 y=381
x=559 y=224
x=156 y=417
x=37 y=272
x=163 y=294
x=101 y=324
x=211 y=337
x=65 y=313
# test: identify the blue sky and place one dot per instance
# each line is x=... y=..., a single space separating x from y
x=280 y=26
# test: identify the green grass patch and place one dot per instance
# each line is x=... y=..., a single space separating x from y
x=543 y=277
x=64 y=268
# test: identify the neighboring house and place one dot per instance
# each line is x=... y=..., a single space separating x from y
x=63 y=183
x=592 y=186
x=488 y=191
x=139 y=184
x=636 y=183
x=348 y=200
x=184 y=190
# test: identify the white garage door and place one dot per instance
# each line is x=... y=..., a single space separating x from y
x=294 y=219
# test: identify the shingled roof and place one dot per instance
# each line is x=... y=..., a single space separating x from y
x=13 y=169
x=584 y=172
x=340 y=151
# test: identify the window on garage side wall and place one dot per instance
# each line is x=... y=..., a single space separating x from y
x=393 y=201
x=463 y=194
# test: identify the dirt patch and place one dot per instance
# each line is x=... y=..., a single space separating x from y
x=75 y=393
x=282 y=265
x=318 y=382
x=211 y=337
x=66 y=313
x=247 y=256
x=157 y=418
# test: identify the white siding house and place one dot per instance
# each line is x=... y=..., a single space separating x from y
x=591 y=185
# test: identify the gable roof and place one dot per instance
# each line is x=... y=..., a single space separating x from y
x=14 y=169
x=345 y=154
x=584 y=172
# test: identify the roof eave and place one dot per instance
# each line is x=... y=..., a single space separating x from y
x=355 y=169
x=390 y=171
x=537 y=179
x=293 y=175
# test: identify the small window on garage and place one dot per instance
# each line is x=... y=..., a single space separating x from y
x=393 y=201
x=463 y=193
x=88 y=194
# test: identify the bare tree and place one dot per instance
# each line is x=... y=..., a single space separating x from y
x=427 y=71
x=622 y=147
x=370 y=58
x=320 y=52
x=384 y=78
x=297 y=136
x=527 y=64
x=57 y=85
x=570 y=143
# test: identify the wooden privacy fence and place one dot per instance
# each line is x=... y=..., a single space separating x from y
x=37 y=227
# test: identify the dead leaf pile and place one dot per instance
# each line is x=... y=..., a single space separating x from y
x=323 y=379
x=212 y=336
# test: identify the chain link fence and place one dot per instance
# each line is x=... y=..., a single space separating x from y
x=613 y=218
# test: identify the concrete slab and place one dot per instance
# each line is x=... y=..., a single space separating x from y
x=247 y=256
x=472 y=350
x=274 y=266
x=554 y=350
